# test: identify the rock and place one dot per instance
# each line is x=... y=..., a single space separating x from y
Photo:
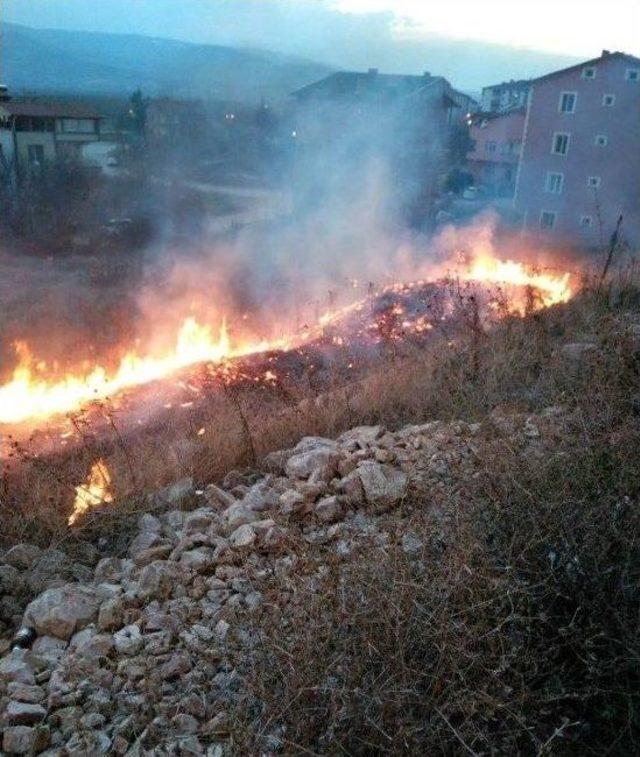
x=62 y=611
x=108 y=569
x=198 y=560
x=222 y=629
x=351 y=486
x=21 y=739
x=238 y=515
x=276 y=462
x=10 y=580
x=128 y=640
x=198 y=520
x=274 y=539
x=16 y=667
x=53 y=568
x=22 y=692
x=363 y=436
x=304 y=464
x=158 y=580
x=23 y=713
x=291 y=502
x=260 y=497
x=383 y=485
x=21 y=556
x=147 y=556
x=243 y=537
x=217 y=497
x=329 y=509
x=253 y=600
x=111 y=614
x=173 y=495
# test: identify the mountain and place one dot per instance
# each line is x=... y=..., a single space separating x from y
x=46 y=60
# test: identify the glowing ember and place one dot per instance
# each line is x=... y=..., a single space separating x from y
x=96 y=491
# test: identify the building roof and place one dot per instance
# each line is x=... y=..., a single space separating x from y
x=35 y=109
x=606 y=56
x=518 y=110
x=513 y=84
x=350 y=83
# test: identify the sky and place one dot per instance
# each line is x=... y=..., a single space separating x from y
x=404 y=36
x=574 y=27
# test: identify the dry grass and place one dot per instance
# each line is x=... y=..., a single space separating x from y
x=515 y=631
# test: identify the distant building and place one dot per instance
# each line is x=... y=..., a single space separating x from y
x=351 y=119
x=170 y=122
x=34 y=133
x=505 y=96
x=580 y=164
x=497 y=143
x=348 y=93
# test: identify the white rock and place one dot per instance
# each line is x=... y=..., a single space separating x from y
x=243 y=537
x=383 y=485
x=329 y=509
x=62 y=611
x=304 y=464
x=128 y=640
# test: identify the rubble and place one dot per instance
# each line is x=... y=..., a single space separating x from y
x=134 y=654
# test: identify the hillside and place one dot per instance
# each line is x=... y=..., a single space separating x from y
x=43 y=60
x=464 y=584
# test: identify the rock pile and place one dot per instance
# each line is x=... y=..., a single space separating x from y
x=131 y=659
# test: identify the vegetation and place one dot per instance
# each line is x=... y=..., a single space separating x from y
x=516 y=629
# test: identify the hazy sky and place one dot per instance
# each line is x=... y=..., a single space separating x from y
x=338 y=29
x=575 y=27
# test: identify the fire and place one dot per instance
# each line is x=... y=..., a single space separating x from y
x=552 y=289
x=31 y=394
x=28 y=395
x=96 y=491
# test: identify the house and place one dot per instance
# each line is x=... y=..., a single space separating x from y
x=497 y=143
x=348 y=94
x=352 y=122
x=580 y=164
x=34 y=133
x=505 y=96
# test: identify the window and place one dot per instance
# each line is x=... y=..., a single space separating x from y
x=490 y=148
x=35 y=154
x=567 y=102
x=554 y=183
x=602 y=140
x=608 y=101
x=547 y=219
x=633 y=74
x=560 y=143
x=594 y=182
x=589 y=72
x=586 y=222
x=78 y=125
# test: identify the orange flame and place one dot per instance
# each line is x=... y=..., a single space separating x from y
x=552 y=288
x=96 y=491
x=28 y=396
x=31 y=395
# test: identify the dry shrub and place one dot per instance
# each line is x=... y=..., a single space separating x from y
x=514 y=631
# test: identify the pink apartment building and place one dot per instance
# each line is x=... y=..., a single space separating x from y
x=580 y=164
x=497 y=143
